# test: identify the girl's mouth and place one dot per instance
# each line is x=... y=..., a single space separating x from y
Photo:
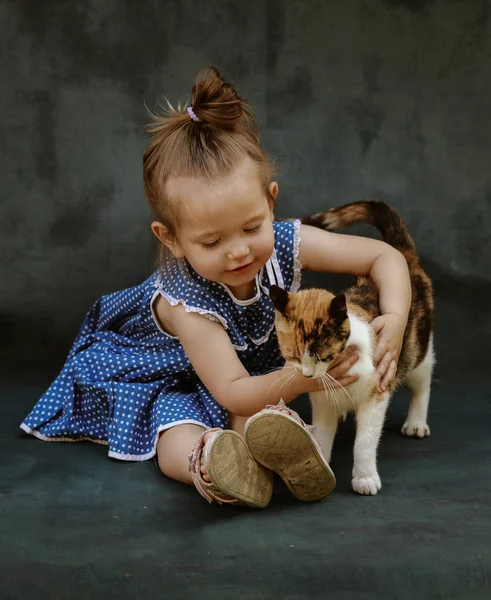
x=240 y=270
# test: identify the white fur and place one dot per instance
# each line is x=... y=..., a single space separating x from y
x=419 y=382
x=328 y=408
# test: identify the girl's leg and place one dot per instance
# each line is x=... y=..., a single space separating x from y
x=173 y=450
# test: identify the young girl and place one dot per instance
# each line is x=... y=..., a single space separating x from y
x=165 y=367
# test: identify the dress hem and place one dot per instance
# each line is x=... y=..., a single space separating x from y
x=113 y=453
x=46 y=438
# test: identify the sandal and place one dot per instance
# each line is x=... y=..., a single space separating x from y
x=236 y=478
x=280 y=440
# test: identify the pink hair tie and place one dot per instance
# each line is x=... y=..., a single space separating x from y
x=193 y=115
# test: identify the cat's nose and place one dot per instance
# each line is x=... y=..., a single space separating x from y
x=307 y=371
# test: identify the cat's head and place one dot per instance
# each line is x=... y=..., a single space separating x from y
x=312 y=327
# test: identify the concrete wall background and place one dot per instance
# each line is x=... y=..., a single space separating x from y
x=386 y=98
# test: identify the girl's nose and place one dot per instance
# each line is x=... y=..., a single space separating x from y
x=238 y=251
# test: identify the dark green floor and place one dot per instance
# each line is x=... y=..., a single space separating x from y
x=75 y=524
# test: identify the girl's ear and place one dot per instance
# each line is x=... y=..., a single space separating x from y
x=273 y=192
x=162 y=234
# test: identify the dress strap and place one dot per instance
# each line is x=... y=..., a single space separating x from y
x=277 y=270
x=274 y=273
x=269 y=269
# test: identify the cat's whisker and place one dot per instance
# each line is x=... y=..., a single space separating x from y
x=341 y=388
x=286 y=383
x=281 y=379
x=339 y=392
x=284 y=380
x=334 y=386
x=332 y=393
x=327 y=389
x=272 y=370
x=335 y=382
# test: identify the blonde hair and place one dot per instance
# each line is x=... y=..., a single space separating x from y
x=209 y=149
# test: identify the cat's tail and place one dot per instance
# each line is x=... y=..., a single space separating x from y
x=382 y=216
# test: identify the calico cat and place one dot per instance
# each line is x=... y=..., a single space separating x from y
x=314 y=326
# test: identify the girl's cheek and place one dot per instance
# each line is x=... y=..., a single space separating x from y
x=269 y=244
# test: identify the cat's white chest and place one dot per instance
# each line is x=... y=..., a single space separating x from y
x=362 y=336
x=359 y=392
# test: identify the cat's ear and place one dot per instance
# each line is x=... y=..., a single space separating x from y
x=280 y=299
x=337 y=310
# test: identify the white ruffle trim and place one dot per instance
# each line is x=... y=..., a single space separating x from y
x=45 y=438
x=297 y=265
x=209 y=314
x=152 y=453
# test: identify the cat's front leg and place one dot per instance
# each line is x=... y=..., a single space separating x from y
x=325 y=418
x=369 y=422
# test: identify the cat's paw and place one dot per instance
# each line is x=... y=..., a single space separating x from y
x=343 y=416
x=415 y=429
x=367 y=486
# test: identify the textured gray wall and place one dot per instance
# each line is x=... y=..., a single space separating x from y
x=387 y=98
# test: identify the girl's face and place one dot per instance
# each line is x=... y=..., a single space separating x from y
x=227 y=232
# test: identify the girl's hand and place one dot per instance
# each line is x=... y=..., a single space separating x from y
x=390 y=330
x=342 y=364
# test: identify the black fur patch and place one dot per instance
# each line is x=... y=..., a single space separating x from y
x=280 y=298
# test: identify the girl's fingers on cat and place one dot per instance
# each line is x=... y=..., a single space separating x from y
x=378 y=324
x=380 y=350
x=344 y=381
x=389 y=376
x=346 y=353
x=383 y=365
x=343 y=366
x=340 y=369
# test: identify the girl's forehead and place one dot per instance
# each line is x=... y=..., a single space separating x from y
x=203 y=203
x=244 y=179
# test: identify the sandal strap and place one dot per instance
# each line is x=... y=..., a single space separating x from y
x=283 y=408
x=207 y=489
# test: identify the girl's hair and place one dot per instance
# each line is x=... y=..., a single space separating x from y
x=211 y=148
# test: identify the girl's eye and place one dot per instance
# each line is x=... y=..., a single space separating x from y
x=253 y=229
x=209 y=245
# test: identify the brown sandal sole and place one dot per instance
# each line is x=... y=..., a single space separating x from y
x=281 y=444
x=234 y=471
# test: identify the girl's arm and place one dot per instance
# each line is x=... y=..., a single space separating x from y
x=216 y=363
x=336 y=253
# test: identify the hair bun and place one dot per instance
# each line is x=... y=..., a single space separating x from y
x=215 y=101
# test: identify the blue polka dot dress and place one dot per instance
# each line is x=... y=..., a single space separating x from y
x=126 y=380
